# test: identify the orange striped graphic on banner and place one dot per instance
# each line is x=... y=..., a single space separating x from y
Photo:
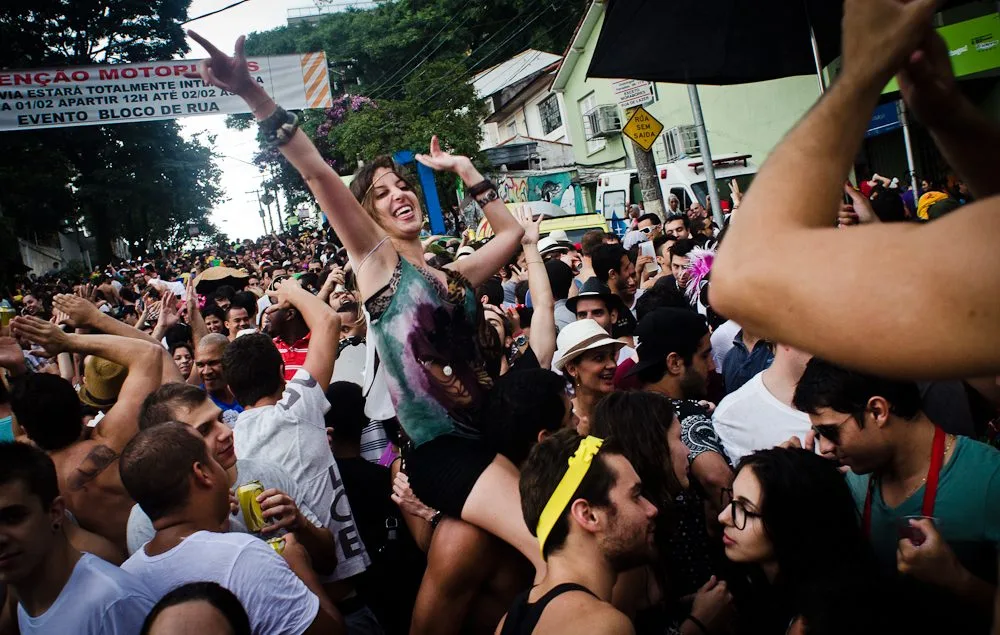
x=316 y=80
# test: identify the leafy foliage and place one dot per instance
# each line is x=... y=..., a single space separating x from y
x=141 y=182
x=414 y=60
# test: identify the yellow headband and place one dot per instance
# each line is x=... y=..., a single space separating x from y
x=579 y=465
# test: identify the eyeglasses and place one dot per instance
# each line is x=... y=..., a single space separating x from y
x=830 y=431
x=737 y=509
x=648 y=230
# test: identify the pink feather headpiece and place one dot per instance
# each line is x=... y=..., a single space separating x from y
x=700 y=267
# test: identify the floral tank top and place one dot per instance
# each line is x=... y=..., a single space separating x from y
x=437 y=349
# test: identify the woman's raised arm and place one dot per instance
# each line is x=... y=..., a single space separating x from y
x=354 y=227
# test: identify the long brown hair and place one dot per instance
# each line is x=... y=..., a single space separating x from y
x=362 y=187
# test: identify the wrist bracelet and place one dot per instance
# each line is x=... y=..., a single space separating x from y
x=487 y=198
x=481 y=188
x=533 y=262
x=279 y=128
x=436 y=519
x=694 y=620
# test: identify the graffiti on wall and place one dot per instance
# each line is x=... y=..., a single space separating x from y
x=554 y=188
x=513 y=189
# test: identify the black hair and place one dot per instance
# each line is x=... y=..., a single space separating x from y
x=48 y=409
x=29 y=465
x=805 y=502
x=178 y=334
x=225 y=291
x=607 y=258
x=521 y=404
x=545 y=468
x=826 y=385
x=219 y=597
x=888 y=205
x=683 y=247
x=521 y=291
x=214 y=310
x=679 y=216
x=560 y=278
x=663 y=294
x=493 y=290
x=639 y=422
x=247 y=300
x=347 y=411
x=650 y=217
x=233 y=306
x=252 y=367
x=160 y=405
x=156 y=464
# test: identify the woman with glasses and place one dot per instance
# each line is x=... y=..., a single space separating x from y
x=648 y=431
x=790 y=520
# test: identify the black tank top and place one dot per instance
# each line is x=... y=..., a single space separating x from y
x=523 y=617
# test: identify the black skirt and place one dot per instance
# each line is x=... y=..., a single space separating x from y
x=443 y=471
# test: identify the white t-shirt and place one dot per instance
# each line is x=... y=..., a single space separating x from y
x=98 y=598
x=722 y=342
x=292 y=434
x=140 y=527
x=753 y=419
x=378 y=403
x=276 y=600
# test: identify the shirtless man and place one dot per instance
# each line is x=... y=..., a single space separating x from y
x=86 y=459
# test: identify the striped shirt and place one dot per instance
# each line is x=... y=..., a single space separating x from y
x=294 y=355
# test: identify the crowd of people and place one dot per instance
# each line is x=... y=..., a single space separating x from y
x=360 y=430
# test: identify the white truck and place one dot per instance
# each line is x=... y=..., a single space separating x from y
x=684 y=178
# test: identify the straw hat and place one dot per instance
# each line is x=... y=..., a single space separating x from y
x=579 y=337
x=102 y=381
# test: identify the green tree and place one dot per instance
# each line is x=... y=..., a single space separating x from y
x=415 y=59
x=141 y=182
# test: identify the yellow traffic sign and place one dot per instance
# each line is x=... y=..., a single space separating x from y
x=642 y=128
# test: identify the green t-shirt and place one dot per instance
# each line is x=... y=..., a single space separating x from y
x=967 y=504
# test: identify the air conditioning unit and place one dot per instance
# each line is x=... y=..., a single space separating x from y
x=682 y=142
x=604 y=121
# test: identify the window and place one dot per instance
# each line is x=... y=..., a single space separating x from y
x=512 y=130
x=587 y=104
x=682 y=197
x=548 y=112
x=614 y=204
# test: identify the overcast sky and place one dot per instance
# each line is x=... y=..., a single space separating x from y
x=238 y=216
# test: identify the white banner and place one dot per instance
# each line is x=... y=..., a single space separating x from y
x=123 y=93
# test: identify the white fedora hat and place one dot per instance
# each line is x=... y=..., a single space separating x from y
x=579 y=337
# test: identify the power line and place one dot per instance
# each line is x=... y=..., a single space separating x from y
x=472 y=69
x=189 y=21
x=422 y=49
x=475 y=50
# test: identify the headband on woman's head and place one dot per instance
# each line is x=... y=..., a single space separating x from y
x=579 y=465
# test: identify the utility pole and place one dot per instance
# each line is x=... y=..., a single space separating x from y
x=261 y=208
x=652 y=195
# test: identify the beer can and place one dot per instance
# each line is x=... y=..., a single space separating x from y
x=247 y=495
x=6 y=315
x=278 y=544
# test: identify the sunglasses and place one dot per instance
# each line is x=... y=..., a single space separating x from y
x=831 y=431
x=648 y=230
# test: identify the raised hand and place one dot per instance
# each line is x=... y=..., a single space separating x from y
x=81 y=313
x=47 y=335
x=880 y=35
x=169 y=315
x=858 y=212
x=442 y=161
x=531 y=227
x=927 y=82
x=229 y=73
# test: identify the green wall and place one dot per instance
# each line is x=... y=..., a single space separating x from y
x=746 y=118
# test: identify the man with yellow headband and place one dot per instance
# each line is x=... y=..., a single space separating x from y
x=584 y=502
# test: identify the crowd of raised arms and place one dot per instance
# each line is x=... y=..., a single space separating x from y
x=783 y=425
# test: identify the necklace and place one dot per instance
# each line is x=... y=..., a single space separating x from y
x=923 y=481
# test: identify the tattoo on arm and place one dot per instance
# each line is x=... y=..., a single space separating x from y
x=95 y=462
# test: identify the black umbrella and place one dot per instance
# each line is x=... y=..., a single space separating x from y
x=715 y=41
